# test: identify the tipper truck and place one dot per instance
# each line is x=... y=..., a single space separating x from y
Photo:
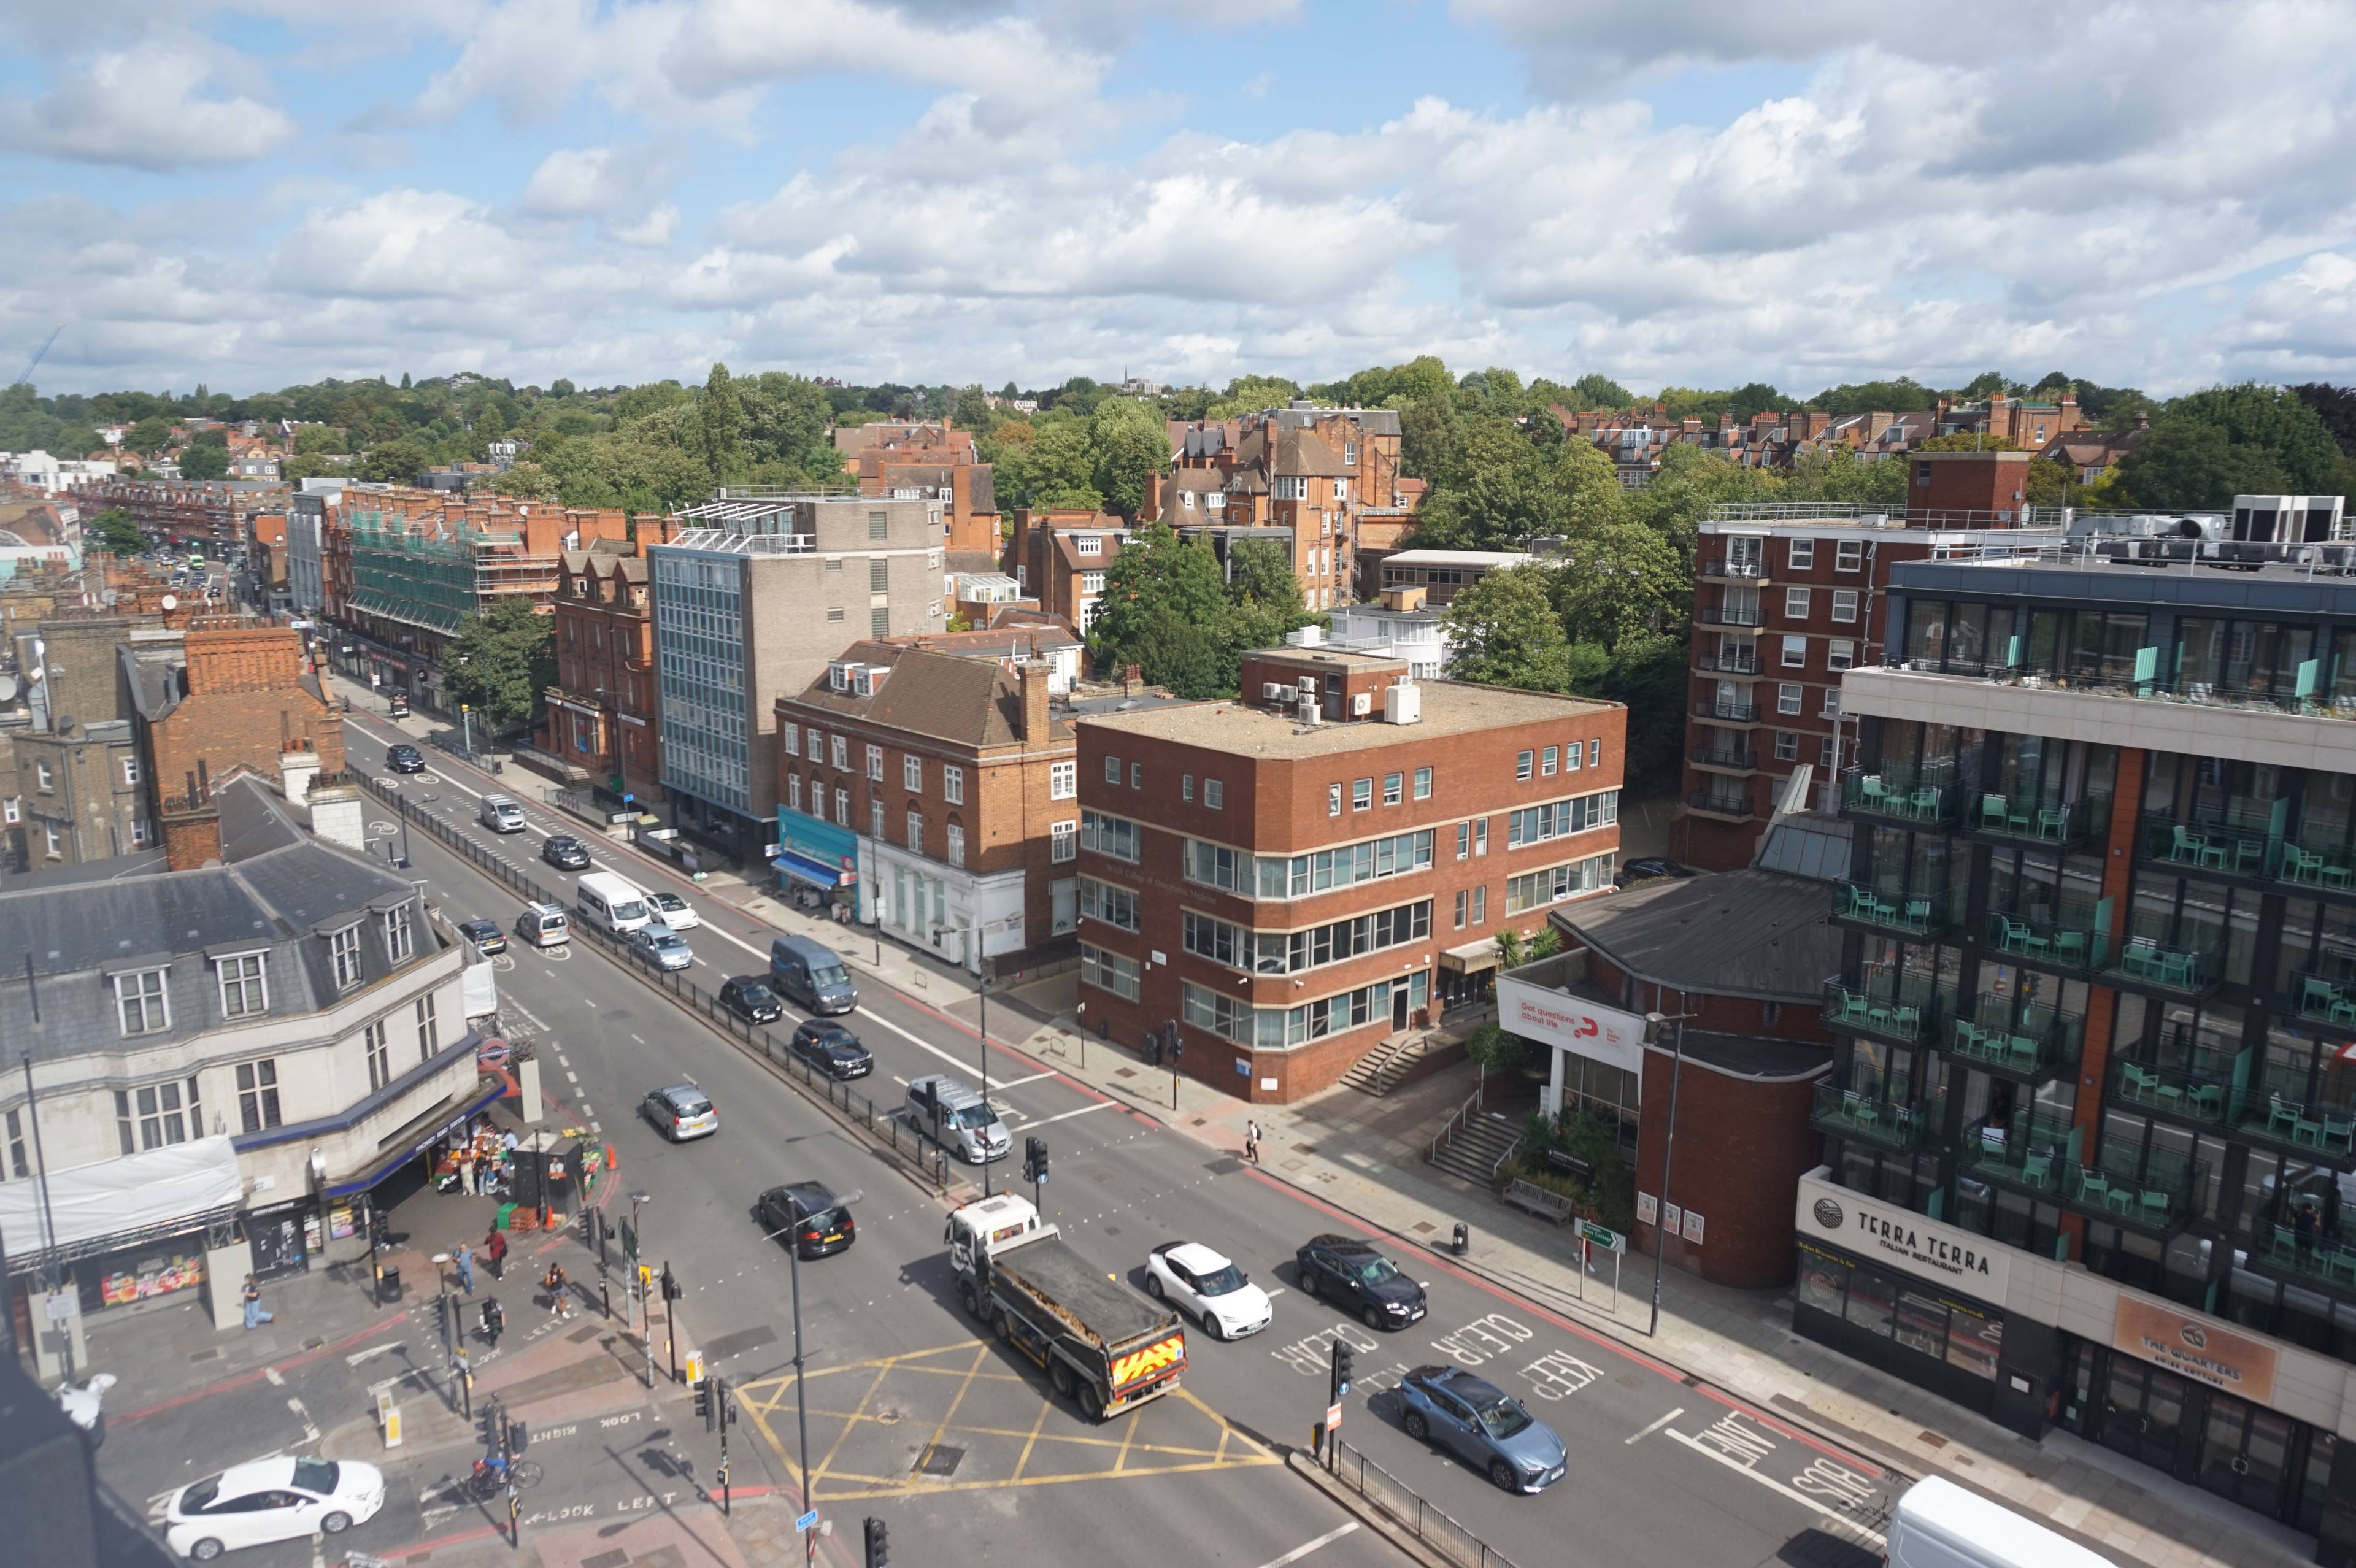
x=1102 y=1345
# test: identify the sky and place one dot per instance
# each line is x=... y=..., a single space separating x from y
x=255 y=192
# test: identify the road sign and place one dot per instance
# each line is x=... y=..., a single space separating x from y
x=630 y=1241
x=808 y=1521
x=1600 y=1236
x=1333 y=1418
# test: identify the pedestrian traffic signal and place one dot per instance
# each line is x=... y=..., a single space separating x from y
x=487 y=1420
x=518 y=1436
x=879 y=1550
x=705 y=1404
x=671 y=1289
x=727 y=1402
x=1174 y=1047
x=1343 y=1369
x=1034 y=1159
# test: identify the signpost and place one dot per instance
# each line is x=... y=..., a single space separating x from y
x=1593 y=1238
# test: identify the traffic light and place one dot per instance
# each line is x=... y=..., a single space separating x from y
x=1174 y=1048
x=1035 y=1159
x=1343 y=1369
x=707 y=1403
x=671 y=1289
x=489 y=1423
x=879 y=1550
x=727 y=1403
x=518 y=1436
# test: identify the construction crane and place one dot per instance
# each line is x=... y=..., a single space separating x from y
x=38 y=355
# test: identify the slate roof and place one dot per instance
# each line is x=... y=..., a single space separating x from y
x=961 y=698
x=1730 y=933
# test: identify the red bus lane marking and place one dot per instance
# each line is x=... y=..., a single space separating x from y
x=1604 y=1341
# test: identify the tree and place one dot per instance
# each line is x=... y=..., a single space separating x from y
x=117 y=533
x=1620 y=580
x=560 y=388
x=318 y=440
x=1157 y=571
x=149 y=437
x=1058 y=468
x=502 y=660
x=403 y=462
x=204 y=460
x=1191 y=658
x=1904 y=396
x=1593 y=391
x=972 y=410
x=2207 y=447
x=1129 y=445
x=2336 y=407
x=1506 y=632
x=1491 y=1048
x=1263 y=595
x=720 y=424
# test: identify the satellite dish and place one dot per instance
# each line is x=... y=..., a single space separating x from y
x=8 y=689
x=171 y=600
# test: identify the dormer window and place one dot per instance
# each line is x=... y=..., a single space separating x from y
x=344 y=953
x=1089 y=544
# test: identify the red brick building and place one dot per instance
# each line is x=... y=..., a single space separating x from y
x=1286 y=879
x=602 y=711
x=1058 y=558
x=925 y=461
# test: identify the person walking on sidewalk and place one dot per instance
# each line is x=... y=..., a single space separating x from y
x=559 y=1304
x=495 y=1247
x=256 y=1315
x=466 y=1267
x=1251 y=1141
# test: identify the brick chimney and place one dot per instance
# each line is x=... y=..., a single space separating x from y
x=1132 y=680
x=191 y=825
x=1034 y=675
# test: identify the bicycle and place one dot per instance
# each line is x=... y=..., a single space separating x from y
x=490 y=1477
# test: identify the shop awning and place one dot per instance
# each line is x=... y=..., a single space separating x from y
x=818 y=873
x=417 y=1138
x=155 y=1193
x=1473 y=957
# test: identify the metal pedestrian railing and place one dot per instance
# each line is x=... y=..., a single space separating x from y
x=1431 y=1526
x=881 y=1127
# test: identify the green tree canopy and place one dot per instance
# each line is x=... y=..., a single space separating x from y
x=719 y=425
x=2205 y=448
x=148 y=437
x=1507 y=632
x=402 y=462
x=1622 y=581
x=1592 y=392
x=113 y=529
x=1264 y=599
x=502 y=660
x=204 y=460
x=1156 y=570
x=1130 y=445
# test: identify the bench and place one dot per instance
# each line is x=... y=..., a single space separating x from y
x=1538 y=1200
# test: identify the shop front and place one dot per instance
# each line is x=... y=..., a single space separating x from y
x=817 y=862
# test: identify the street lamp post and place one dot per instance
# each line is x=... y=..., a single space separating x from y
x=1668 y=1163
x=984 y=992
x=637 y=1282
x=801 y=1404
x=451 y=1330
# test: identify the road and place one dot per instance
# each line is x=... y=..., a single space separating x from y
x=914 y=1416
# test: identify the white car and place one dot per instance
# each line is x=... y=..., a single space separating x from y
x=1196 y=1280
x=674 y=912
x=282 y=1499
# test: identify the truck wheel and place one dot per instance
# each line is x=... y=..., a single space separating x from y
x=1061 y=1376
x=972 y=1303
x=1092 y=1403
x=1005 y=1326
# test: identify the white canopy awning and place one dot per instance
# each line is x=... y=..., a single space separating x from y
x=137 y=1193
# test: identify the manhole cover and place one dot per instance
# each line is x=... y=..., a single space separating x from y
x=1425 y=1225
x=582 y=1336
x=939 y=1459
x=1124 y=1072
x=1200 y=1122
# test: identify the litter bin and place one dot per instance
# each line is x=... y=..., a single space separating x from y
x=388 y=1285
x=1463 y=1238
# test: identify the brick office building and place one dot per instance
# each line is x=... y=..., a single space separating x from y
x=1286 y=879
x=602 y=711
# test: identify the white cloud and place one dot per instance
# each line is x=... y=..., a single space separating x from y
x=171 y=99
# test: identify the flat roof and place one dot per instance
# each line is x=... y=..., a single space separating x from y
x=1449 y=708
x=1321 y=653
x=1458 y=558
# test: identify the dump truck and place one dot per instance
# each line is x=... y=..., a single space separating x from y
x=1102 y=1345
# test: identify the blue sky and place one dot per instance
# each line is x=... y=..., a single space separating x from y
x=257 y=192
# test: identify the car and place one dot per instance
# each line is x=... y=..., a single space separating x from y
x=681 y=1112
x=286 y=1497
x=1348 y=1274
x=565 y=852
x=485 y=934
x=750 y=998
x=808 y=1212
x=1650 y=867
x=675 y=912
x=404 y=759
x=1195 y=1279
x=662 y=947
x=1484 y=1426
x=832 y=1050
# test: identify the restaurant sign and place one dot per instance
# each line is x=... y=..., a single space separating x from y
x=1885 y=1232
x=2194 y=1348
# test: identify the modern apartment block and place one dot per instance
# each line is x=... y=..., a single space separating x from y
x=2092 y=1125
x=753 y=595
x=1279 y=883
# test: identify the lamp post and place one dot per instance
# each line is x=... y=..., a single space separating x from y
x=1668 y=1159
x=802 y=1405
x=983 y=973
x=637 y=1282
x=451 y=1330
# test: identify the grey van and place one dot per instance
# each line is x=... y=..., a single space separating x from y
x=812 y=975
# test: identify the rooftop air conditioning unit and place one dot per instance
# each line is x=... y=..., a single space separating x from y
x=1402 y=704
x=1362 y=705
x=1275 y=691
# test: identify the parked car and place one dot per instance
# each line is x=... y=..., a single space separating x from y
x=404 y=759
x=681 y=1112
x=283 y=1499
x=1351 y=1274
x=1195 y=1279
x=485 y=934
x=1648 y=868
x=565 y=852
x=675 y=912
x=750 y=998
x=1484 y=1426
x=807 y=1213
x=832 y=1050
x=662 y=947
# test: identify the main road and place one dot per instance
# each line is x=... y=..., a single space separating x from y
x=917 y=1417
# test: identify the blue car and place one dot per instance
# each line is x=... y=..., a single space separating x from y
x=1484 y=1426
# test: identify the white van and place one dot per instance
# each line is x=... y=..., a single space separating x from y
x=608 y=901
x=500 y=814
x=544 y=926
x=1938 y=1524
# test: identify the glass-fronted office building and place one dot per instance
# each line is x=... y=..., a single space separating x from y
x=2090 y=1138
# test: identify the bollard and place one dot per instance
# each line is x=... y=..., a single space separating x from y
x=388 y=1416
x=1463 y=1238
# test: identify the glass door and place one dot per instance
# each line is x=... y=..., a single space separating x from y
x=2245 y=1453
x=2143 y=1414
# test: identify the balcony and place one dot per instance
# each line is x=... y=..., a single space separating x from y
x=2277 y=1112
x=1730 y=805
x=2193 y=1086
x=2330 y=868
x=2011 y=819
x=2285 y=1254
x=1725 y=609
x=1724 y=569
x=1890 y=795
x=2161 y=1200
x=2315 y=999
x=1849 y=1113
x=2026 y=1043
x=1725 y=759
x=2144 y=964
x=1903 y=1014
x=1742 y=709
x=2221 y=848
x=2028 y=1154
x=1728 y=661
x=2051 y=939
x=1915 y=911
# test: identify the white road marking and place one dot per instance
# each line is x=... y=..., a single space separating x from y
x=1806 y=1501
x=572 y=1077
x=1018 y=1083
x=1067 y=1115
x=1632 y=1441
x=275 y=1381
x=356 y=1357
x=956 y=1061
x=1306 y=1547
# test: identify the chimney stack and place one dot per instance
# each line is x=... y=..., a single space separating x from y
x=1034 y=675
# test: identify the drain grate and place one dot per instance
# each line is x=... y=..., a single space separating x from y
x=1929 y=1440
x=201 y=1357
x=1124 y=1072
x=582 y=1336
x=939 y=1459
x=606 y=1560
x=1425 y=1226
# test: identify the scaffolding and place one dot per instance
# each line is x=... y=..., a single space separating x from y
x=436 y=580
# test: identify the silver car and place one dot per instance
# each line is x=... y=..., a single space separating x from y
x=681 y=1112
x=662 y=947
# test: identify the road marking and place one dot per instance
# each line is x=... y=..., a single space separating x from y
x=1632 y=1441
x=1306 y=1547
x=1067 y=1115
x=640 y=1041
x=571 y=1076
x=356 y=1357
x=956 y=1061
x=1772 y=1485
x=1018 y=1083
x=275 y=1381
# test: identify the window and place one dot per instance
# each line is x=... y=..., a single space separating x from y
x=1787 y=746
x=244 y=989
x=1186 y=787
x=1795 y=604
x=1137 y=775
x=1062 y=838
x=126 y=1134
x=1063 y=780
x=794 y=791
x=1545 y=763
x=1479 y=836
x=912 y=774
x=1113 y=835
x=1290 y=952
x=1825 y=752
x=1795 y=652
x=843 y=808
x=257 y=1095
x=380 y=1061
x=138 y=831
x=1570 y=757
x=1112 y=769
x=344 y=948
x=49 y=830
x=1341 y=489
x=1463 y=841
x=130 y=770
x=1560 y=818
x=1849 y=555
x=1297 y=876
x=397 y=940
x=1481 y=905
x=163 y=1118
x=1787 y=697
x=879 y=575
x=879 y=525
x=1362 y=794
x=793 y=739
x=18 y=1165
x=1463 y=896
x=12 y=810
x=1112 y=905
x=429 y=1027
x=1522 y=764
x=1291 y=487
x=140 y=1000
x=1423 y=783
x=956 y=836
x=1595 y=752
x=1215 y=794
x=1092 y=583
x=915 y=833
x=1845 y=604
x=875 y=762
x=1801 y=554
x=842 y=751
x=1840 y=654
x=834 y=613
x=41 y=773
x=1535 y=890
x=1333 y=800
x=1831 y=707
x=875 y=820
x=1109 y=972
x=1087 y=544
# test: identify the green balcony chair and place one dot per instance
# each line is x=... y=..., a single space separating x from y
x=2316 y=997
x=1991 y=813
x=2154 y=1205
x=2036 y=1171
x=2283 y=1248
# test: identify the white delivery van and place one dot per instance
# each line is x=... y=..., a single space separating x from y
x=1938 y=1524
x=607 y=900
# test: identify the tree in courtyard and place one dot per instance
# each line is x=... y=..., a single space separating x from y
x=1507 y=632
x=1157 y=575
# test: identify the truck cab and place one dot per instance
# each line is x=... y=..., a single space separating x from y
x=951 y=1114
x=981 y=1229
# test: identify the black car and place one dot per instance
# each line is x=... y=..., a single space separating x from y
x=750 y=998
x=1351 y=1274
x=485 y=934
x=565 y=852
x=404 y=759
x=1650 y=867
x=807 y=1212
x=832 y=1050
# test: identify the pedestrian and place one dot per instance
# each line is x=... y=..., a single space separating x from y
x=466 y=1173
x=558 y=1306
x=495 y=1243
x=255 y=1314
x=466 y=1267
x=1251 y=1141
x=495 y=1321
